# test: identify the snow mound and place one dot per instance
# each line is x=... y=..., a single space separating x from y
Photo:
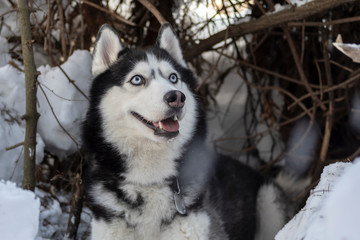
x=67 y=102
x=342 y=208
x=19 y=212
x=12 y=128
x=54 y=216
x=331 y=212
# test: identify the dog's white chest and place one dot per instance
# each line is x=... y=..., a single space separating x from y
x=158 y=206
x=147 y=221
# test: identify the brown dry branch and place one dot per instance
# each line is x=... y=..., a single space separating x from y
x=76 y=207
x=148 y=5
x=263 y=23
x=341 y=85
x=57 y=120
x=327 y=23
x=300 y=68
x=62 y=29
x=329 y=114
x=31 y=115
x=73 y=82
x=20 y=144
x=116 y=16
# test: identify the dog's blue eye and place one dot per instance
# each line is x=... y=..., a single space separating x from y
x=137 y=80
x=173 y=78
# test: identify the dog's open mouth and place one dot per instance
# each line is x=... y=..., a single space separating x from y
x=168 y=127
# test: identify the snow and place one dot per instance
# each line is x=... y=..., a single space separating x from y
x=294 y=3
x=54 y=216
x=342 y=214
x=19 y=212
x=332 y=211
x=69 y=105
x=12 y=128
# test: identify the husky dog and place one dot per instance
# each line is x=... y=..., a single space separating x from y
x=150 y=175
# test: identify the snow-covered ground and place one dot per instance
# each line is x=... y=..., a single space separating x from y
x=19 y=212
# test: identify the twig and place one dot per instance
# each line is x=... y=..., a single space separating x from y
x=320 y=24
x=211 y=70
x=15 y=146
x=53 y=92
x=302 y=44
x=300 y=69
x=62 y=29
x=72 y=82
x=121 y=19
x=269 y=72
x=320 y=78
x=153 y=10
x=338 y=65
x=283 y=91
x=329 y=115
x=349 y=158
x=9 y=11
x=328 y=89
x=57 y=120
x=76 y=207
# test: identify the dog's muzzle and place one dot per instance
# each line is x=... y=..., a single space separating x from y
x=169 y=126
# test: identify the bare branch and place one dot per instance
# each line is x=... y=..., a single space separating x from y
x=263 y=23
x=153 y=10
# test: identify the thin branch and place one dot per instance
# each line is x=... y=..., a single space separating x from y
x=121 y=19
x=72 y=82
x=15 y=146
x=62 y=29
x=320 y=24
x=328 y=89
x=153 y=10
x=57 y=120
x=300 y=68
x=9 y=11
x=329 y=115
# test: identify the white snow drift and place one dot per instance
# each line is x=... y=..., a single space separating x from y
x=19 y=213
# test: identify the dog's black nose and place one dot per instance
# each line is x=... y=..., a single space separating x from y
x=175 y=99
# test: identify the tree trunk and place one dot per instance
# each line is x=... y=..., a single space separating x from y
x=31 y=115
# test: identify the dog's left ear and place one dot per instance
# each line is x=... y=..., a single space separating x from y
x=168 y=41
x=106 y=50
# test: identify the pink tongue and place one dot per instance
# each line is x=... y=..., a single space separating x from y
x=170 y=125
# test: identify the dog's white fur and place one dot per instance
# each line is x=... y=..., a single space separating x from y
x=194 y=227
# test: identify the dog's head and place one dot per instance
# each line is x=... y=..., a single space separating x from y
x=143 y=94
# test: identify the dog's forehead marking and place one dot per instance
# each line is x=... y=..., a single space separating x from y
x=160 y=66
x=152 y=67
x=142 y=68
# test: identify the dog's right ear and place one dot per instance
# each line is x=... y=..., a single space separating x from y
x=106 y=49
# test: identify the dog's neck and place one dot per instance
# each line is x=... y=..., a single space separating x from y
x=148 y=162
